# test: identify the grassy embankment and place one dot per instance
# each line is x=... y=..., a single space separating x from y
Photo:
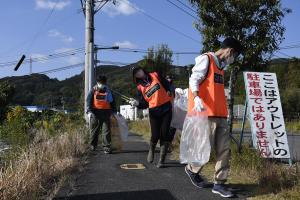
x=259 y=178
x=44 y=150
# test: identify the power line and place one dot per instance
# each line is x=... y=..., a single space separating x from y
x=131 y=50
x=80 y=64
x=20 y=45
x=100 y=6
x=113 y=62
x=46 y=57
x=285 y=54
x=81 y=50
x=160 y=22
x=61 y=68
x=44 y=23
x=290 y=46
x=188 y=7
x=183 y=10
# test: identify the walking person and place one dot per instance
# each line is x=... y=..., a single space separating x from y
x=206 y=91
x=100 y=103
x=154 y=93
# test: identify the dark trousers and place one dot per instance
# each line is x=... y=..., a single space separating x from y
x=101 y=124
x=160 y=126
x=172 y=133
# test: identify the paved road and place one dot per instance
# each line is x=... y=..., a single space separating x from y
x=293 y=140
x=104 y=179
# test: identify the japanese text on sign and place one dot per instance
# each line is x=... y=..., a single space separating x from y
x=266 y=118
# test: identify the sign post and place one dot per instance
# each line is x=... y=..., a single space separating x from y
x=265 y=113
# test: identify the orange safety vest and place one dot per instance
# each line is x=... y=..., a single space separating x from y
x=155 y=94
x=100 y=100
x=212 y=92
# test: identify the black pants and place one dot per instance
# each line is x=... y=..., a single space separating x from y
x=160 y=126
x=100 y=125
x=172 y=133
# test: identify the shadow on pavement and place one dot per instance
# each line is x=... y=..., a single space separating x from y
x=144 y=195
x=245 y=190
x=174 y=164
x=130 y=151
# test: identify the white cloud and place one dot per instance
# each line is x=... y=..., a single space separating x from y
x=57 y=34
x=48 y=4
x=123 y=7
x=125 y=44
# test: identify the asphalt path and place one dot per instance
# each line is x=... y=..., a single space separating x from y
x=104 y=179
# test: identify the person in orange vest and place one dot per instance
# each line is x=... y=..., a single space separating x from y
x=100 y=106
x=206 y=92
x=154 y=93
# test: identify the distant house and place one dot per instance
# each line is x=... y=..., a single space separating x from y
x=128 y=112
x=36 y=108
x=132 y=113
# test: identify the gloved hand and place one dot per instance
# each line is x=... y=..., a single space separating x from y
x=90 y=115
x=133 y=102
x=179 y=91
x=198 y=104
x=169 y=93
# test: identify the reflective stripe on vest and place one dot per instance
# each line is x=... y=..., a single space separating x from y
x=212 y=92
x=100 y=100
x=155 y=94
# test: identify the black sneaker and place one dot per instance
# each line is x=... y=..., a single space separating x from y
x=222 y=190
x=195 y=178
x=107 y=150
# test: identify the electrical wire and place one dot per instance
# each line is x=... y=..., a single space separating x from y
x=44 y=23
x=188 y=7
x=78 y=65
x=81 y=50
x=45 y=58
x=183 y=10
x=160 y=22
x=101 y=6
x=61 y=68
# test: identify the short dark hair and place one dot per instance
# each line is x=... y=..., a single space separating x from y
x=134 y=70
x=101 y=79
x=231 y=42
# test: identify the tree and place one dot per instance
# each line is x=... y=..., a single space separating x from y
x=6 y=94
x=257 y=24
x=159 y=60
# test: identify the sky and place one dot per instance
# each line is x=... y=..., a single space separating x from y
x=38 y=28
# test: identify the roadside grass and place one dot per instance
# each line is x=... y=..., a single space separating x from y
x=293 y=126
x=37 y=171
x=43 y=150
x=259 y=178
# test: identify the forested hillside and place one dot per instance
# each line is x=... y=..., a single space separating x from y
x=37 y=89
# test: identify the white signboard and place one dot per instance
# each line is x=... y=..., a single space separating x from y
x=265 y=112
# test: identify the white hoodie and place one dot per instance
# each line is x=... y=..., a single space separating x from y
x=199 y=71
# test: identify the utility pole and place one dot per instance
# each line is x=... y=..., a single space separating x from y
x=95 y=61
x=30 y=66
x=89 y=49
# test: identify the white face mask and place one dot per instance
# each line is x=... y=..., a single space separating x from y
x=100 y=86
x=228 y=61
